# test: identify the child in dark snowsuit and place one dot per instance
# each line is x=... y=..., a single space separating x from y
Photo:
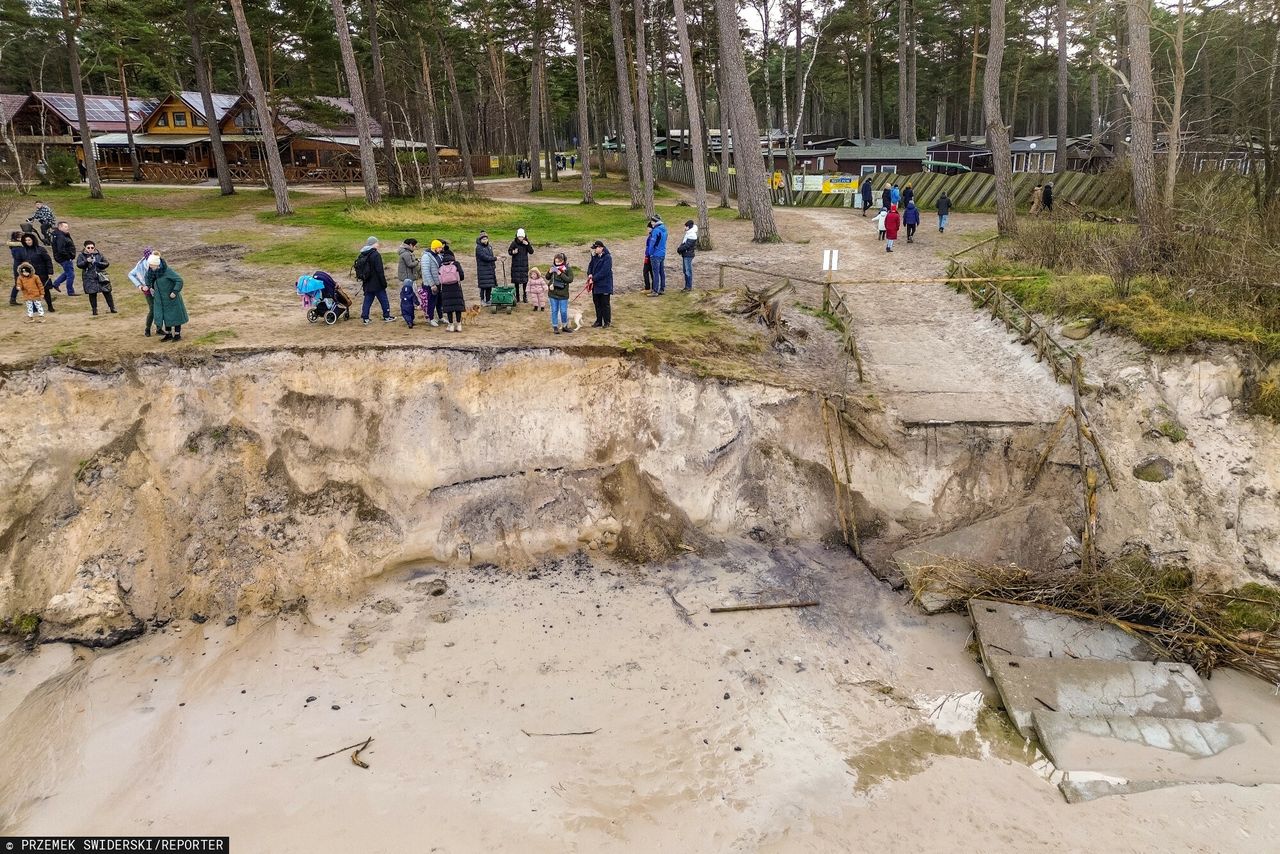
x=408 y=302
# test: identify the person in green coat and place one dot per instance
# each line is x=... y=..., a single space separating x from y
x=166 y=287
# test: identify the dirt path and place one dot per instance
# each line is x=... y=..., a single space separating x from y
x=853 y=726
x=926 y=352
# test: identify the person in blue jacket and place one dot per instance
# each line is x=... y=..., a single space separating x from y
x=895 y=195
x=600 y=278
x=911 y=219
x=656 y=250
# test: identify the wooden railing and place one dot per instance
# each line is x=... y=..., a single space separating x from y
x=1068 y=368
x=156 y=173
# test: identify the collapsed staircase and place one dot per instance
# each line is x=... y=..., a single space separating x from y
x=1110 y=716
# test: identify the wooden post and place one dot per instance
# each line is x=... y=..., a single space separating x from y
x=826 y=298
x=722 y=276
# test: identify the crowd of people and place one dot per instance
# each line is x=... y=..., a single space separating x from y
x=524 y=166
x=431 y=279
x=34 y=268
x=898 y=211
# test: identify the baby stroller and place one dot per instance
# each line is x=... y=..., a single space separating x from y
x=503 y=296
x=323 y=298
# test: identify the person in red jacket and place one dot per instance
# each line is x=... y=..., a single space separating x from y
x=891 y=224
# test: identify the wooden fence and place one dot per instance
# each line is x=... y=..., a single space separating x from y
x=1068 y=368
x=971 y=191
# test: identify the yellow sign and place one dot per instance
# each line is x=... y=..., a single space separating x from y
x=713 y=168
x=494 y=163
x=668 y=164
x=840 y=184
x=775 y=181
x=733 y=171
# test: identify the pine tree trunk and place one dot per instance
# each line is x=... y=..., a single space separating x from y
x=997 y=133
x=799 y=102
x=584 y=125
x=1174 y=134
x=696 y=133
x=1061 y=157
x=368 y=166
x=266 y=119
x=1142 y=101
x=128 y=120
x=904 y=117
x=973 y=86
x=753 y=189
x=866 y=85
x=206 y=97
x=381 y=108
x=643 y=120
x=626 y=106
x=71 y=25
x=429 y=120
x=724 y=135
x=464 y=145
x=912 y=55
x=535 y=102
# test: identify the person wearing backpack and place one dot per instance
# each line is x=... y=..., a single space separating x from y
x=372 y=274
x=686 y=250
x=451 y=298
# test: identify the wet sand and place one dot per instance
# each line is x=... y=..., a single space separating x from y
x=857 y=725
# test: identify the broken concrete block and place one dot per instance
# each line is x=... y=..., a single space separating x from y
x=1078 y=330
x=1115 y=755
x=1088 y=688
x=1026 y=632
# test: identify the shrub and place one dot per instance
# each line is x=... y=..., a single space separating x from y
x=61 y=169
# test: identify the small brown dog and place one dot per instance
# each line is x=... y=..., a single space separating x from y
x=472 y=314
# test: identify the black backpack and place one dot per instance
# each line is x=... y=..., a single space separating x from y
x=361 y=266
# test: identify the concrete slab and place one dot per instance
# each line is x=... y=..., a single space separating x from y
x=1088 y=688
x=1116 y=755
x=1026 y=632
x=1033 y=536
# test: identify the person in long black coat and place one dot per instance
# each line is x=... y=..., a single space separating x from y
x=486 y=268
x=520 y=250
x=451 y=298
x=886 y=197
x=31 y=252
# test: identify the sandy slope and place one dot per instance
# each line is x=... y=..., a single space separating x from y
x=856 y=721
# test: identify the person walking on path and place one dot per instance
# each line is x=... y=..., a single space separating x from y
x=911 y=219
x=372 y=274
x=656 y=249
x=560 y=276
x=895 y=195
x=31 y=252
x=486 y=268
x=64 y=254
x=944 y=211
x=879 y=221
x=94 y=277
x=907 y=195
x=1046 y=197
x=886 y=197
x=600 y=278
x=868 y=193
x=166 y=288
x=686 y=250
x=1037 y=199
x=32 y=289
x=891 y=224
x=452 y=300
x=520 y=250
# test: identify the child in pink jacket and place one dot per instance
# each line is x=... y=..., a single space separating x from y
x=537 y=290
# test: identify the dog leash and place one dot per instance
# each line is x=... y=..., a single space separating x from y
x=581 y=292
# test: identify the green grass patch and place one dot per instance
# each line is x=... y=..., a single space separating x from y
x=68 y=347
x=833 y=322
x=217 y=336
x=1253 y=607
x=1153 y=312
x=336 y=229
x=130 y=202
x=1266 y=399
x=607 y=189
